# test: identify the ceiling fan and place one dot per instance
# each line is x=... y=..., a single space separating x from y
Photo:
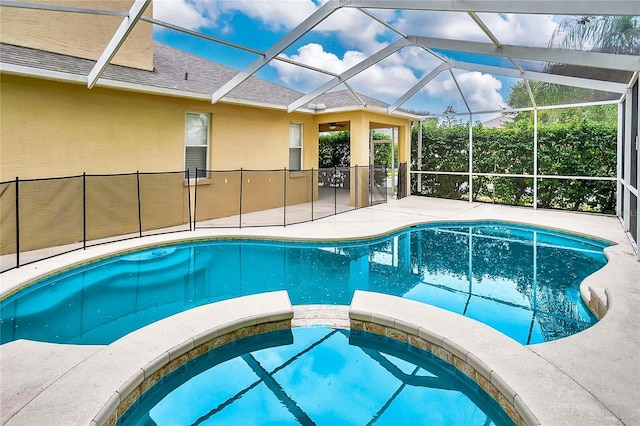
x=334 y=125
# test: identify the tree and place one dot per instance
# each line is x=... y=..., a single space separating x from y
x=577 y=148
x=334 y=150
x=448 y=118
x=610 y=34
x=554 y=94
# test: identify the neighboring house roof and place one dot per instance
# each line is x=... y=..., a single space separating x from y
x=346 y=98
x=180 y=71
x=498 y=122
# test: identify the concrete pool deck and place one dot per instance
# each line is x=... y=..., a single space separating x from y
x=589 y=378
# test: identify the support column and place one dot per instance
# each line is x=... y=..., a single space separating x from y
x=535 y=158
x=404 y=154
x=419 y=185
x=626 y=208
x=470 y=158
x=359 y=149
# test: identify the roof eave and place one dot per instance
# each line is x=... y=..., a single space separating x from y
x=371 y=108
x=40 y=73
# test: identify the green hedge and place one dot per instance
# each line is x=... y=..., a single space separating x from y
x=580 y=148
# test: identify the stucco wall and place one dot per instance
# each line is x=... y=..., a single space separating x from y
x=55 y=129
x=78 y=34
x=52 y=129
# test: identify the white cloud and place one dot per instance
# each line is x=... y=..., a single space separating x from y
x=531 y=30
x=386 y=80
x=180 y=12
x=482 y=91
x=356 y=30
x=359 y=36
x=418 y=59
x=275 y=14
x=453 y=25
x=528 y=30
x=314 y=55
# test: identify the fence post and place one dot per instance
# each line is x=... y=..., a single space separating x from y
x=335 y=191
x=284 y=197
x=17 y=223
x=312 y=194
x=241 y=182
x=372 y=172
x=84 y=210
x=139 y=207
x=192 y=220
x=384 y=173
x=355 y=199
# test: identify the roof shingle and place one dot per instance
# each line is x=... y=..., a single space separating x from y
x=179 y=70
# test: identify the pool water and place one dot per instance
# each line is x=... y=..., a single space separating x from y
x=317 y=376
x=522 y=281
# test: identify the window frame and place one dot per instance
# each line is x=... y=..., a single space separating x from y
x=300 y=148
x=206 y=147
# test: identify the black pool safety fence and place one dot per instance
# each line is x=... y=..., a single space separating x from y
x=43 y=218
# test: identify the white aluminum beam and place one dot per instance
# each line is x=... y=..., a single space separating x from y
x=354 y=93
x=301 y=65
x=461 y=94
x=308 y=24
x=230 y=44
x=492 y=37
x=535 y=7
x=619 y=163
x=356 y=69
x=485 y=29
x=419 y=85
x=59 y=8
x=125 y=28
x=200 y=35
x=578 y=104
x=382 y=22
x=543 y=54
x=516 y=64
x=585 y=83
x=512 y=110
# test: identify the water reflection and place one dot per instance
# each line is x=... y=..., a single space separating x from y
x=316 y=376
x=521 y=281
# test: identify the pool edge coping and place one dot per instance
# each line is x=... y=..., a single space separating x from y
x=452 y=338
x=618 y=278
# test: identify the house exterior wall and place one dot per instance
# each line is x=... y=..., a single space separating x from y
x=52 y=129
x=78 y=34
x=55 y=129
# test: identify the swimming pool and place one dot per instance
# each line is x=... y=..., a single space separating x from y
x=316 y=376
x=523 y=281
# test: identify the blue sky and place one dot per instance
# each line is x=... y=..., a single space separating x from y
x=347 y=37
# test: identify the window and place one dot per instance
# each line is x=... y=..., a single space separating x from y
x=196 y=141
x=295 y=146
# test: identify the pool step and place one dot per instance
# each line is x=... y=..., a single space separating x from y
x=334 y=316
